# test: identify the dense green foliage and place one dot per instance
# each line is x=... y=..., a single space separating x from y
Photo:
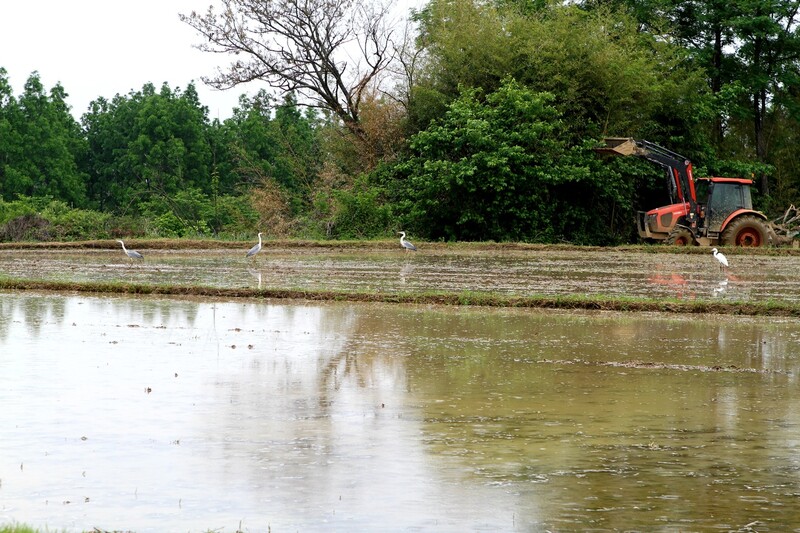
x=491 y=138
x=502 y=168
x=40 y=145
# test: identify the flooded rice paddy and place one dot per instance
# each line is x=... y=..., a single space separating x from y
x=153 y=414
x=511 y=272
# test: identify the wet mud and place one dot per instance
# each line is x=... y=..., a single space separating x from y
x=508 y=273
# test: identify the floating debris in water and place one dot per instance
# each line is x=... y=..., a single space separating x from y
x=661 y=366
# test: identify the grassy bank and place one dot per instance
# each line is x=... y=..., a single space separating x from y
x=568 y=302
x=17 y=528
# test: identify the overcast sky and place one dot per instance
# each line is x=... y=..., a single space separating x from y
x=105 y=47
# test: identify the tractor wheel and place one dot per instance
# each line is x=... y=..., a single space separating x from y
x=679 y=236
x=747 y=231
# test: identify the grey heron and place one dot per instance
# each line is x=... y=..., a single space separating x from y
x=255 y=249
x=405 y=244
x=723 y=261
x=133 y=254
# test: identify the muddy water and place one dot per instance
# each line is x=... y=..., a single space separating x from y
x=608 y=272
x=180 y=415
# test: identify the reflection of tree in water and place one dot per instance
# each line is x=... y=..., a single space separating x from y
x=32 y=310
x=350 y=363
x=273 y=403
x=146 y=311
x=522 y=402
x=510 y=397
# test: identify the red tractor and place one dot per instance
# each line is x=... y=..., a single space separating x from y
x=724 y=215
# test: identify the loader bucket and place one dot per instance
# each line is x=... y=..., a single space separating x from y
x=618 y=146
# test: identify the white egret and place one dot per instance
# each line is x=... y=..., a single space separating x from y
x=255 y=249
x=133 y=254
x=723 y=261
x=405 y=244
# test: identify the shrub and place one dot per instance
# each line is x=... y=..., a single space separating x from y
x=20 y=207
x=233 y=215
x=273 y=206
x=360 y=213
x=69 y=223
x=28 y=227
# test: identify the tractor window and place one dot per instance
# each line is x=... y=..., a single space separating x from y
x=701 y=191
x=725 y=198
x=747 y=202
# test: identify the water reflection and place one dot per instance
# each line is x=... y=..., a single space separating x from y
x=406 y=271
x=34 y=314
x=721 y=287
x=256 y=275
x=153 y=414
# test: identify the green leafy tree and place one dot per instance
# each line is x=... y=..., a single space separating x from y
x=147 y=144
x=278 y=143
x=750 y=51
x=503 y=167
x=298 y=162
x=108 y=126
x=169 y=149
x=41 y=144
x=606 y=76
x=769 y=32
x=280 y=139
x=12 y=182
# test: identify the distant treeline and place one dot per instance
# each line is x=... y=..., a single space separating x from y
x=489 y=134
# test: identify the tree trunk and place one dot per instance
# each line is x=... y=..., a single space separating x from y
x=716 y=82
x=759 y=109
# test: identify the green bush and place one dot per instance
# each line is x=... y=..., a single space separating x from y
x=232 y=215
x=71 y=224
x=21 y=207
x=44 y=219
x=505 y=166
x=359 y=213
x=168 y=225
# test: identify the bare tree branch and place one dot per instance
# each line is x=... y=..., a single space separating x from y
x=330 y=51
x=409 y=56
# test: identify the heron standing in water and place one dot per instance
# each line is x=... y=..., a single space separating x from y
x=255 y=249
x=133 y=254
x=723 y=261
x=405 y=244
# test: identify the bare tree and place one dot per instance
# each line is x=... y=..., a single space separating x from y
x=330 y=51
x=410 y=56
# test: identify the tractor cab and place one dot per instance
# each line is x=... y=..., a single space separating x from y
x=719 y=198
